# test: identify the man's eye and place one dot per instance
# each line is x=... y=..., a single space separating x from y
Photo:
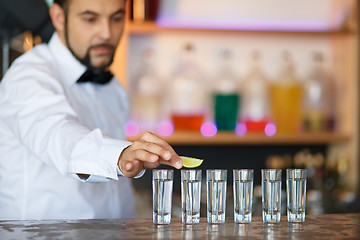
x=117 y=18
x=90 y=19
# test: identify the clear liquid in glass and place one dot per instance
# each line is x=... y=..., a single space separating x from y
x=296 y=199
x=162 y=197
x=243 y=192
x=216 y=201
x=190 y=201
x=271 y=201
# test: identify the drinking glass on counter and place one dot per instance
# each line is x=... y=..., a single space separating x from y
x=296 y=194
x=216 y=195
x=271 y=195
x=243 y=192
x=162 y=184
x=190 y=196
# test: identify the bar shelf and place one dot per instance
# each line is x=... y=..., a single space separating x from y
x=230 y=138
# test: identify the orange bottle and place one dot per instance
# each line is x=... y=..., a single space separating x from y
x=286 y=99
x=188 y=94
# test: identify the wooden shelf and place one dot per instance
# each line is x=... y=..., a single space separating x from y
x=152 y=28
x=230 y=138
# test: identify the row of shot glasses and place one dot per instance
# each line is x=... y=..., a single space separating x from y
x=216 y=180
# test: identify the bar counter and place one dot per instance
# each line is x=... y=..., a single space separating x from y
x=331 y=226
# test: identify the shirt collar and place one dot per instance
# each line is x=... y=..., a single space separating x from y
x=70 y=69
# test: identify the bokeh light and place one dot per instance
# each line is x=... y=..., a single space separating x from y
x=132 y=129
x=241 y=129
x=208 y=129
x=165 y=128
x=270 y=129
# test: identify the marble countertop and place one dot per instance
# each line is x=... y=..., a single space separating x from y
x=331 y=226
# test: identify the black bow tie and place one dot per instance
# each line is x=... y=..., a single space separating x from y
x=95 y=77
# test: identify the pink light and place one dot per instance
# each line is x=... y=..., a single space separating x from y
x=165 y=128
x=208 y=129
x=270 y=129
x=245 y=24
x=241 y=129
x=132 y=129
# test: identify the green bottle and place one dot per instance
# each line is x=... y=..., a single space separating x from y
x=226 y=96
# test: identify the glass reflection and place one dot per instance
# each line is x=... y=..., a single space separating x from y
x=161 y=231
x=294 y=229
x=242 y=230
x=215 y=231
x=190 y=231
x=271 y=231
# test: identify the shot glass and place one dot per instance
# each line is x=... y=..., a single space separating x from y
x=296 y=194
x=162 y=184
x=271 y=195
x=190 y=196
x=216 y=195
x=243 y=193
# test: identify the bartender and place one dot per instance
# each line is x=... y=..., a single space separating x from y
x=63 y=153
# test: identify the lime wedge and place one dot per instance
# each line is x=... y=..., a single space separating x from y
x=190 y=162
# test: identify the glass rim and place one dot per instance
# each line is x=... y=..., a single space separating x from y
x=162 y=170
x=271 y=169
x=191 y=170
x=296 y=169
x=158 y=174
x=296 y=173
x=243 y=169
x=216 y=170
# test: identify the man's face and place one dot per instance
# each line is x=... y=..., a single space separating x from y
x=93 y=29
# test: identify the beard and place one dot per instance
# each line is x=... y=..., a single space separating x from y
x=86 y=60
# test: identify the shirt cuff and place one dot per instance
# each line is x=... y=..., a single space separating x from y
x=97 y=156
x=119 y=173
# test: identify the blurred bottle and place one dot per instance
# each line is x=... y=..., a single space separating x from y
x=188 y=93
x=316 y=91
x=143 y=10
x=331 y=98
x=226 y=95
x=332 y=91
x=286 y=98
x=147 y=95
x=255 y=94
x=336 y=171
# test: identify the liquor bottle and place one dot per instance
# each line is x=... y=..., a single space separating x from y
x=286 y=98
x=331 y=101
x=226 y=95
x=315 y=97
x=188 y=93
x=147 y=95
x=143 y=10
x=255 y=93
x=330 y=92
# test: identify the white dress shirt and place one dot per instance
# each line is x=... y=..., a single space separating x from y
x=52 y=128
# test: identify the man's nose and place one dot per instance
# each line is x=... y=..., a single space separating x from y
x=105 y=30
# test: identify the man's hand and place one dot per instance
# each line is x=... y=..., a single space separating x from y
x=147 y=152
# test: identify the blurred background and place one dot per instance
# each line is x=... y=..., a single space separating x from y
x=238 y=83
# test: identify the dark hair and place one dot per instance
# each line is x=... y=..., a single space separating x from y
x=64 y=4
x=60 y=2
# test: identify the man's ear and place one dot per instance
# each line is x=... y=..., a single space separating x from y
x=57 y=16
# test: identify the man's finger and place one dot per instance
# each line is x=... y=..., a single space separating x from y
x=144 y=155
x=128 y=166
x=150 y=165
x=151 y=147
x=151 y=137
x=133 y=167
x=170 y=154
x=175 y=162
